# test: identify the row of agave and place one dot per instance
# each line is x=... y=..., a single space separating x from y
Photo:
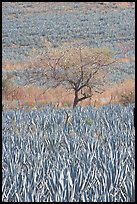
x=97 y=29
x=89 y=157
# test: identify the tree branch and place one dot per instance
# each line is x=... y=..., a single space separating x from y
x=86 y=83
x=85 y=97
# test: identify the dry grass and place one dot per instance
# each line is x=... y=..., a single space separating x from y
x=127 y=59
x=10 y=66
x=113 y=94
x=35 y=96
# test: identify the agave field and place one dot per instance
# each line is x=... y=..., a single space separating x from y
x=27 y=25
x=80 y=155
x=90 y=157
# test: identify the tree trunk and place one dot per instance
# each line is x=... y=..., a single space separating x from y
x=76 y=99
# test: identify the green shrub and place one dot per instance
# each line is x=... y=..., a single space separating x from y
x=89 y=121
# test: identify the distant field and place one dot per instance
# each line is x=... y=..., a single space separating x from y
x=28 y=26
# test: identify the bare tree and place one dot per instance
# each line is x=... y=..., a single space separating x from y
x=81 y=69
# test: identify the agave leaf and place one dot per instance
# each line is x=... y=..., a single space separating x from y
x=69 y=178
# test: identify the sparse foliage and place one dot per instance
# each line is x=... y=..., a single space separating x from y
x=81 y=69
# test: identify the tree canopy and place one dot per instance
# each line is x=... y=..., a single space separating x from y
x=79 y=68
